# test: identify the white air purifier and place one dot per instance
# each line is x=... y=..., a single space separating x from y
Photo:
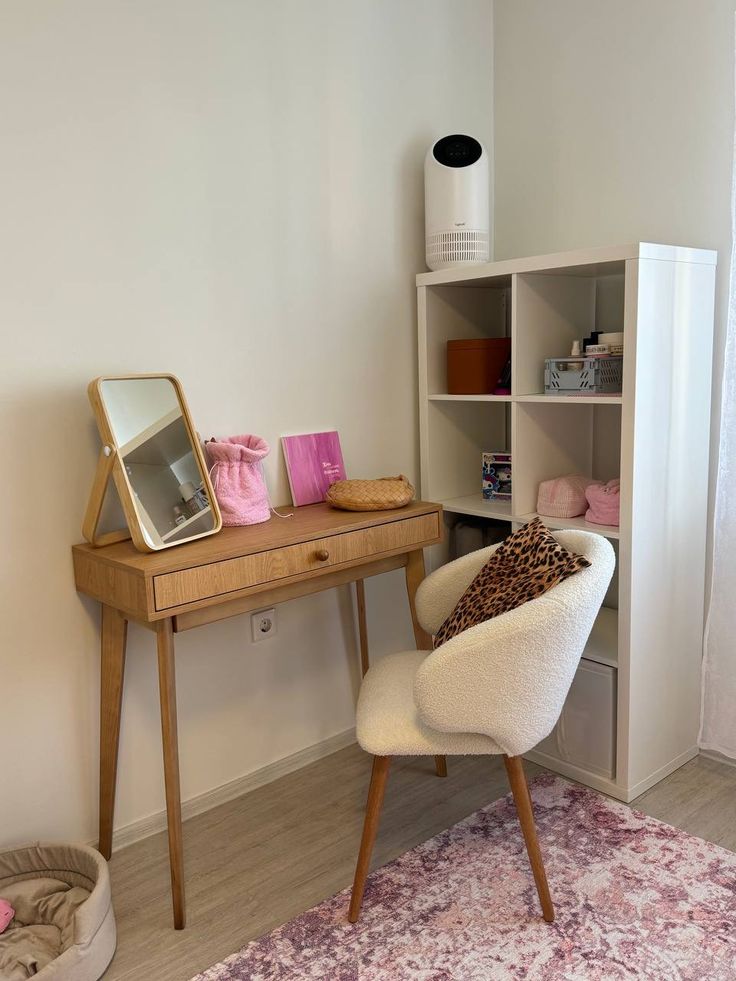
x=456 y=202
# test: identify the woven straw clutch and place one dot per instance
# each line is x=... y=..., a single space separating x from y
x=370 y=495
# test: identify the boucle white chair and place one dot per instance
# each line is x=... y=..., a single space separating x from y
x=496 y=688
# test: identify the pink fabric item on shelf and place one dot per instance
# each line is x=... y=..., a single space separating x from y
x=237 y=477
x=564 y=497
x=605 y=503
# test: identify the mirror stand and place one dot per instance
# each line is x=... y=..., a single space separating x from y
x=103 y=473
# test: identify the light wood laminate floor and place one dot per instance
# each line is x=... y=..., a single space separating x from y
x=257 y=861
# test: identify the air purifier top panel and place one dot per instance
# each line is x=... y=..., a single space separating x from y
x=457 y=151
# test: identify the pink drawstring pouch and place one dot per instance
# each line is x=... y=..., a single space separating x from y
x=604 y=501
x=237 y=477
x=563 y=497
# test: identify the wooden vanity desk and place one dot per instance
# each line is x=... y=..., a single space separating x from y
x=236 y=571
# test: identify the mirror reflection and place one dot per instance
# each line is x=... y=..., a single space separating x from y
x=167 y=482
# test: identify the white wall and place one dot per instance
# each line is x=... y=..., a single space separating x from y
x=231 y=192
x=614 y=123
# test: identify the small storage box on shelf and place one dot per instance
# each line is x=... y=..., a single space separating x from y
x=474 y=367
x=583 y=376
x=661 y=299
x=585 y=736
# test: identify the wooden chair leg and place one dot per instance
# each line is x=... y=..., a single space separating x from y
x=370 y=828
x=440 y=765
x=523 y=801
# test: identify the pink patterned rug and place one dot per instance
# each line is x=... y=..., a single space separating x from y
x=634 y=898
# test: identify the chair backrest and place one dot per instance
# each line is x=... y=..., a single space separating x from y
x=509 y=676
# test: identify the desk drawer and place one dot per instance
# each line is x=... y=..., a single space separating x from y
x=216 y=578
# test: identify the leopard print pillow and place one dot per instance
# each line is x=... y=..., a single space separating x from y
x=525 y=566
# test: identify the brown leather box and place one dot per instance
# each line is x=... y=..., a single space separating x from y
x=474 y=366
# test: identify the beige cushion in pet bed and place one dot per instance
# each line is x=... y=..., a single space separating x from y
x=64 y=926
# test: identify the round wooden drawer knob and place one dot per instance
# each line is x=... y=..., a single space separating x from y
x=323 y=555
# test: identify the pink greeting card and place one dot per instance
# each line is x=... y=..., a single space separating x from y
x=313 y=462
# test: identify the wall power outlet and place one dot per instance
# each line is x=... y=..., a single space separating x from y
x=263 y=624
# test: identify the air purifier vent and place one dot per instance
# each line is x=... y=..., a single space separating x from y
x=453 y=248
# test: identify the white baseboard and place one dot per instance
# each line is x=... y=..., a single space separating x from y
x=593 y=780
x=606 y=785
x=713 y=754
x=154 y=823
x=640 y=788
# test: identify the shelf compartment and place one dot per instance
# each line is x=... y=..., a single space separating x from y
x=459 y=313
x=455 y=434
x=548 y=441
x=550 y=312
x=476 y=505
x=585 y=735
x=556 y=438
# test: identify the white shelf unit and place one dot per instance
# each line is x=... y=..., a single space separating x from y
x=646 y=644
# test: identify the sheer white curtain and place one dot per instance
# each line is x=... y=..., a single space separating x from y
x=718 y=724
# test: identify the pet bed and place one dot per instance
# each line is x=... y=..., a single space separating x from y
x=64 y=925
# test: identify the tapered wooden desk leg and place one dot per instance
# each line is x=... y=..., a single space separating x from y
x=523 y=801
x=112 y=670
x=167 y=693
x=362 y=625
x=414 y=575
x=415 y=572
x=370 y=829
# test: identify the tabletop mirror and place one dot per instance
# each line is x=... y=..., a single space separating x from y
x=151 y=450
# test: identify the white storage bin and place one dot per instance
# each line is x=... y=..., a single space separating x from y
x=585 y=736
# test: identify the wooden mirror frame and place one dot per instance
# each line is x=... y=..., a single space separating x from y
x=110 y=464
